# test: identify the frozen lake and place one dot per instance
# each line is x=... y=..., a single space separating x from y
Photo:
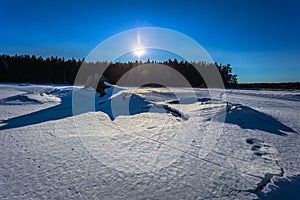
x=147 y=143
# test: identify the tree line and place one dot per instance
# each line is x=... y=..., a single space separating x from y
x=275 y=86
x=32 y=69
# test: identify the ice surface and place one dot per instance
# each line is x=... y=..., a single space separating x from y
x=146 y=143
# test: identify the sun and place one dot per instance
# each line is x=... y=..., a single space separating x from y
x=138 y=49
x=139 y=52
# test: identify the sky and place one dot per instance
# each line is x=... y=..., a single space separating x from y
x=259 y=38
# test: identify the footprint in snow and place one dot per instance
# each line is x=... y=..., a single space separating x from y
x=261 y=149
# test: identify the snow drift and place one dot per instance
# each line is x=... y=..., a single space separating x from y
x=135 y=143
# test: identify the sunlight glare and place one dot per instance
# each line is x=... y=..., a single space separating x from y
x=139 y=52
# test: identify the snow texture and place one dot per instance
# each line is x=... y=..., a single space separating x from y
x=147 y=143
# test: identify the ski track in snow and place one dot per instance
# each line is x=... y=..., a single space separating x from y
x=156 y=152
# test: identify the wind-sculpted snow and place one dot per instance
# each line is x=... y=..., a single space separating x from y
x=55 y=105
x=249 y=118
x=29 y=98
x=167 y=143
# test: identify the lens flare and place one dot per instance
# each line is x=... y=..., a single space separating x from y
x=139 y=52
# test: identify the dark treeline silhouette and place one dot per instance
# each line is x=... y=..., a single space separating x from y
x=116 y=70
x=32 y=69
x=229 y=79
x=286 y=85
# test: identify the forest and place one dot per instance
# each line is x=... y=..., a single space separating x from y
x=32 y=69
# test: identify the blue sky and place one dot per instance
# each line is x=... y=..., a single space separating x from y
x=260 y=39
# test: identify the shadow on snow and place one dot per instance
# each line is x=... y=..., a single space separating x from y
x=135 y=103
x=63 y=110
x=249 y=118
x=243 y=116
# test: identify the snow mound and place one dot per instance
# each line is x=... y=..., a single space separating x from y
x=249 y=118
x=30 y=98
x=128 y=102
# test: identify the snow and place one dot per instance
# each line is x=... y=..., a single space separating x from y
x=66 y=142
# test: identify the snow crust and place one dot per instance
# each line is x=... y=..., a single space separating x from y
x=146 y=143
